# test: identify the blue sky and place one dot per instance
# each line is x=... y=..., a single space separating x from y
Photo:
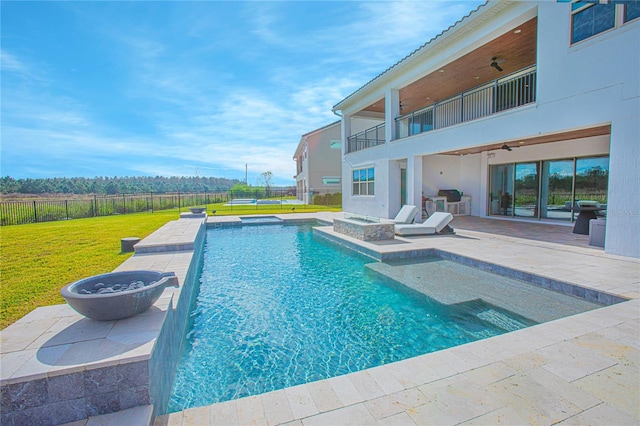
x=106 y=88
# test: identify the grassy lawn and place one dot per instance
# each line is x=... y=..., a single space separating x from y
x=39 y=259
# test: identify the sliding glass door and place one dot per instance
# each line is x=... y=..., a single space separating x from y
x=556 y=191
x=526 y=193
x=549 y=189
x=501 y=194
x=592 y=182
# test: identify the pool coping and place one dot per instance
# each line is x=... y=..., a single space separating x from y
x=141 y=334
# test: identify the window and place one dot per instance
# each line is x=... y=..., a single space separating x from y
x=335 y=144
x=631 y=10
x=363 y=181
x=589 y=18
x=330 y=180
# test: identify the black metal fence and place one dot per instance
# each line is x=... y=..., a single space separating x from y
x=17 y=212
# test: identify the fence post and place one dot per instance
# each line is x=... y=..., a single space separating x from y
x=66 y=208
x=35 y=212
x=124 y=205
x=151 y=201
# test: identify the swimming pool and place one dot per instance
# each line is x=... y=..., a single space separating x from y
x=279 y=307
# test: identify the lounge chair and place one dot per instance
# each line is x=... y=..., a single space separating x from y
x=406 y=215
x=434 y=224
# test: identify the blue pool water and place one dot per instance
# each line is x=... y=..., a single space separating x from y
x=278 y=307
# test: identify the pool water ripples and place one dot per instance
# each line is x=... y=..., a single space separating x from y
x=278 y=307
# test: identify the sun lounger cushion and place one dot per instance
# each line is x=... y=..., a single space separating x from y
x=434 y=224
x=406 y=215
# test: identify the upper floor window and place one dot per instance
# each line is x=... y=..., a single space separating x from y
x=631 y=10
x=363 y=181
x=589 y=18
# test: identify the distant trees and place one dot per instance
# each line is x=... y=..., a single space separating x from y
x=114 y=185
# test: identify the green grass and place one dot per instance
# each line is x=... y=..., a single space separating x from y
x=38 y=259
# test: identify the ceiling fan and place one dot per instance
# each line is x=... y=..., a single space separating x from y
x=496 y=63
x=509 y=148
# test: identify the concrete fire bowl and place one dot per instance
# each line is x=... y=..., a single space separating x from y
x=117 y=295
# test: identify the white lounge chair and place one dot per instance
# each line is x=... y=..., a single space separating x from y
x=433 y=225
x=406 y=215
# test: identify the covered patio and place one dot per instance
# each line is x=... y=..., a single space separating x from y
x=558 y=232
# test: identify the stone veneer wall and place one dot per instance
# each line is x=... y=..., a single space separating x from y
x=69 y=397
x=166 y=352
x=364 y=231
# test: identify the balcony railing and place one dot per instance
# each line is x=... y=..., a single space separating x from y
x=512 y=91
x=366 y=139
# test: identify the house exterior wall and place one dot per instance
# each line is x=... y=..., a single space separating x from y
x=316 y=160
x=589 y=84
x=323 y=161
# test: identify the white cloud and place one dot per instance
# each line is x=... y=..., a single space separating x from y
x=11 y=63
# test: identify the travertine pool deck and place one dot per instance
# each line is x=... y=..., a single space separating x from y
x=576 y=370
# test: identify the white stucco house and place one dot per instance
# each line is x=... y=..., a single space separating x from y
x=530 y=108
x=318 y=158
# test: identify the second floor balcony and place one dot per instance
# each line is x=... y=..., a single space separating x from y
x=511 y=91
x=366 y=139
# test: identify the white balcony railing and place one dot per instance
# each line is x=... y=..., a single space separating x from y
x=512 y=91
x=366 y=139
x=508 y=92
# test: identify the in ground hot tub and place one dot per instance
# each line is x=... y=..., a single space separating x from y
x=117 y=295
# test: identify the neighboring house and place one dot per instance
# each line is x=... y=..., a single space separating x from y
x=530 y=108
x=318 y=160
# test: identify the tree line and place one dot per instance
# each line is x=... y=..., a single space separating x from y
x=115 y=185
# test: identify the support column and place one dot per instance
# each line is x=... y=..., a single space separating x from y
x=391 y=111
x=480 y=207
x=414 y=181
x=393 y=187
x=345 y=132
